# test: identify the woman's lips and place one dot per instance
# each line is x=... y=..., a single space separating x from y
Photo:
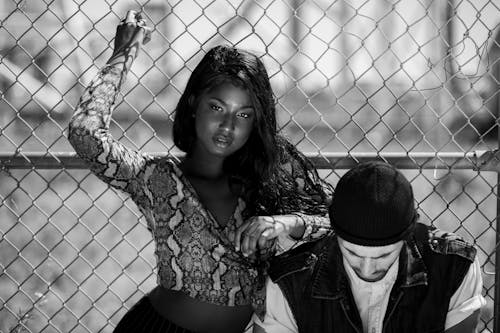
x=223 y=140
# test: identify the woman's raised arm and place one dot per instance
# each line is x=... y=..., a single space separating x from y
x=89 y=127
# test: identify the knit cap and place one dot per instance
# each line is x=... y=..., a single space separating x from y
x=373 y=205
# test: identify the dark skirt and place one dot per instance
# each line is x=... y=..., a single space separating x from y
x=143 y=317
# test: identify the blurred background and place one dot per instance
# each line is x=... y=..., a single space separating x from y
x=412 y=82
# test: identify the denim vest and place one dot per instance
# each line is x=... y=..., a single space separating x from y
x=432 y=265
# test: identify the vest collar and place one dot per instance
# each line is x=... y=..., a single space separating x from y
x=330 y=281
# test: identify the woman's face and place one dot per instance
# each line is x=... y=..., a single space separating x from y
x=224 y=120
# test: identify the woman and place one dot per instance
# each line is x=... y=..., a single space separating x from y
x=216 y=214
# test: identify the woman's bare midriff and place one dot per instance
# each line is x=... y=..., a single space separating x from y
x=199 y=316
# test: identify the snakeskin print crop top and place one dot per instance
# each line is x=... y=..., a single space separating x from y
x=194 y=253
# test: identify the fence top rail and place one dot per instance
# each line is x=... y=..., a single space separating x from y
x=325 y=160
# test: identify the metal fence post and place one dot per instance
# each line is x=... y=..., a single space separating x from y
x=496 y=299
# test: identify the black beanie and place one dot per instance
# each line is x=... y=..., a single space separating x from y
x=373 y=205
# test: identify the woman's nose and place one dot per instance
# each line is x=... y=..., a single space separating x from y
x=227 y=122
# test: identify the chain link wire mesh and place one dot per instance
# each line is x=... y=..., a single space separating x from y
x=350 y=77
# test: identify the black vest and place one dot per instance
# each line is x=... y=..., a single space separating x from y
x=432 y=266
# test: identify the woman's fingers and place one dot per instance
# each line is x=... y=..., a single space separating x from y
x=132 y=30
x=248 y=244
x=135 y=18
x=147 y=34
x=140 y=20
x=130 y=17
x=266 y=236
x=141 y=23
x=257 y=233
x=250 y=237
x=237 y=237
x=131 y=34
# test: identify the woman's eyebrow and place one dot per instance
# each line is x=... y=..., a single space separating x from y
x=223 y=102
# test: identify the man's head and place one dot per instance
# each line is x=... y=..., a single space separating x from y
x=372 y=213
x=370 y=263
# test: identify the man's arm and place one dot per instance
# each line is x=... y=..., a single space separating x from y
x=467 y=325
x=466 y=302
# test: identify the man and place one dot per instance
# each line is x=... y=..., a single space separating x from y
x=381 y=271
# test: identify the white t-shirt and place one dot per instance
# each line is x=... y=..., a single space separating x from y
x=372 y=298
x=466 y=299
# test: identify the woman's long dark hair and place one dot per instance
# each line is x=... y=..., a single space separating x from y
x=276 y=177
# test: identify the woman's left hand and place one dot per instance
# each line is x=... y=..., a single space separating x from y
x=259 y=232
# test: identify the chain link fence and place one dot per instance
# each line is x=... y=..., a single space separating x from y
x=411 y=82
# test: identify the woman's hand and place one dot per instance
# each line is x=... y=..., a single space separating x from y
x=131 y=34
x=260 y=232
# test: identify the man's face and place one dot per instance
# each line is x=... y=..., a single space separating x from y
x=370 y=263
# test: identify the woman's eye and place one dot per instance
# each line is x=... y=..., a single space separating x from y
x=243 y=115
x=215 y=107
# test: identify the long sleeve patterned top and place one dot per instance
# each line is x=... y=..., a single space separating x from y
x=194 y=253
